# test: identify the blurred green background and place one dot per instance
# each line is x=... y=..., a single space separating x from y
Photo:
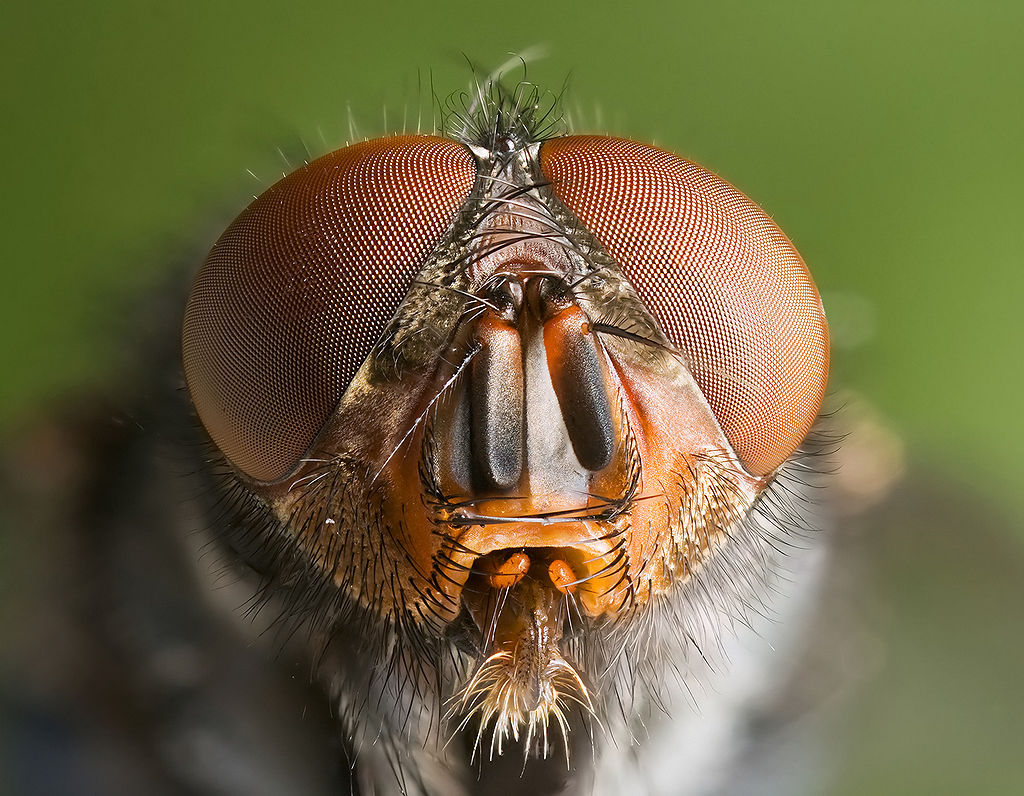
x=885 y=138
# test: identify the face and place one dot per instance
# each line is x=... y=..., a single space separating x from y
x=505 y=389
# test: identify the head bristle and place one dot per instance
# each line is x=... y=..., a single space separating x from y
x=499 y=108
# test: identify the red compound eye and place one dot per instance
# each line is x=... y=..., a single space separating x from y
x=294 y=294
x=724 y=282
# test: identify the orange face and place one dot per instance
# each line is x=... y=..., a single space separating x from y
x=506 y=383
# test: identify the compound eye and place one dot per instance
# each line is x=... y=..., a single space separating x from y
x=724 y=282
x=295 y=293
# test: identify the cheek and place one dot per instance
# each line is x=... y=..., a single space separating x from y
x=693 y=487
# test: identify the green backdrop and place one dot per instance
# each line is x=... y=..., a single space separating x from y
x=886 y=138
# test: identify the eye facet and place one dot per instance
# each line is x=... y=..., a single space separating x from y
x=295 y=293
x=724 y=282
